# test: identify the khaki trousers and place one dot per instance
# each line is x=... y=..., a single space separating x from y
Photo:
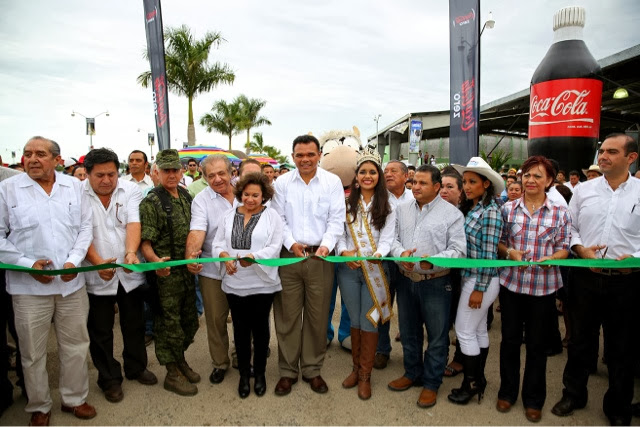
x=216 y=311
x=33 y=322
x=301 y=313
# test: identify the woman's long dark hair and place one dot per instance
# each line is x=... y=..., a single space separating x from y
x=489 y=193
x=380 y=208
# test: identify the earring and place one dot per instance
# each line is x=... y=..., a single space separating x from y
x=357 y=185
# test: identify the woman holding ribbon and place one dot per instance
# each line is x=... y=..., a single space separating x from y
x=369 y=232
x=480 y=285
x=250 y=231
x=535 y=229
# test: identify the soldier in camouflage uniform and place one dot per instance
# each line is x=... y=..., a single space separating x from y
x=176 y=322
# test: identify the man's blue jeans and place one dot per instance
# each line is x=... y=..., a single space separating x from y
x=424 y=304
x=384 y=340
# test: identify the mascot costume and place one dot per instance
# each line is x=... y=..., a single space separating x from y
x=339 y=151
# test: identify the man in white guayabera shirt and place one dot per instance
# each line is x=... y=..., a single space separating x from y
x=45 y=225
x=116 y=238
x=207 y=210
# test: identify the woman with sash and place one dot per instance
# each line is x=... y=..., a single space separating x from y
x=480 y=286
x=369 y=232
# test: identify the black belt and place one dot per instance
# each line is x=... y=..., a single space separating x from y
x=311 y=250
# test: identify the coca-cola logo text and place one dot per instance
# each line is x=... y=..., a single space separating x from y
x=568 y=103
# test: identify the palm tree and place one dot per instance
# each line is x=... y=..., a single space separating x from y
x=257 y=145
x=224 y=118
x=188 y=70
x=251 y=110
x=275 y=154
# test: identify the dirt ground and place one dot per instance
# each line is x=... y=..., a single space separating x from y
x=220 y=405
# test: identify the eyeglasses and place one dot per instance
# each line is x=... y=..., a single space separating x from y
x=118 y=205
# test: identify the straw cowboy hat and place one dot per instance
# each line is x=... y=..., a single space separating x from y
x=592 y=168
x=479 y=166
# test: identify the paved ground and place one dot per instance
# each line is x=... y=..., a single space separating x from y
x=220 y=404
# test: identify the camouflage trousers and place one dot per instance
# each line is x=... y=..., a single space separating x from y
x=177 y=323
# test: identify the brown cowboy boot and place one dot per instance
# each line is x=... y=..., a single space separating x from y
x=352 y=380
x=368 y=344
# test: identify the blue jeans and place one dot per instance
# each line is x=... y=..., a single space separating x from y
x=384 y=340
x=199 y=305
x=426 y=303
x=355 y=294
x=344 y=330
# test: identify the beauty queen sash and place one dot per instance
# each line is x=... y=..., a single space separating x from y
x=373 y=272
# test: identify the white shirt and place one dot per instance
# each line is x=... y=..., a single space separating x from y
x=601 y=216
x=110 y=234
x=313 y=214
x=40 y=226
x=266 y=242
x=383 y=238
x=407 y=195
x=436 y=230
x=207 y=210
x=571 y=186
x=146 y=182
x=186 y=180
x=556 y=198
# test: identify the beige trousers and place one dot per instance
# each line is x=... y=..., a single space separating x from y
x=33 y=322
x=216 y=311
x=301 y=313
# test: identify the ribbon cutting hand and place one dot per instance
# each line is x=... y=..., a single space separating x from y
x=425 y=265
x=195 y=268
x=164 y=272
x=409 y=266
x=42 y=264
x=130 y=258
x=68 y=277
x=107 y=274
x=353 y=265
x=244 y=263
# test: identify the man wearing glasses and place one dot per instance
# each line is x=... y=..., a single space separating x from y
x=605 y=214
x=192 y=171
x=116 y=238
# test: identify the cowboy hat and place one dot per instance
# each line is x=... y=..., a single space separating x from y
x=479 y=166
x=592 y=168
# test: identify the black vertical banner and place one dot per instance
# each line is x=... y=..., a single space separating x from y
x=464 y=38
x=155 y=48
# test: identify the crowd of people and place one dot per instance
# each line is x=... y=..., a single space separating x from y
x=164 y=211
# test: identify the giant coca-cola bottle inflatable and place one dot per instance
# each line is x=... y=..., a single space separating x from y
x=566 y=95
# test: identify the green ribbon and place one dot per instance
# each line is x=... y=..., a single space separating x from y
x=279 y=262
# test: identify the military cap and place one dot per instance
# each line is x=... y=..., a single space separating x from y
x=168 y=159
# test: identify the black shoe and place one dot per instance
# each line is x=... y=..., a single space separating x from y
x=260 y=385
x=619 y=421
x=244 y=388
x=565 y=407
x=217 y=375
x=635 y=409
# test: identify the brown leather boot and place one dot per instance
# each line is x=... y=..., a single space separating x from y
x=352 y=380
x=368 y=344
x=178 y=383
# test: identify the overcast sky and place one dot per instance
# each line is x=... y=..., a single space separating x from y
x=320 y=65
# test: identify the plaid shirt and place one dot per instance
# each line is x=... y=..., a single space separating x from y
x=545 y=232
x=483 y=227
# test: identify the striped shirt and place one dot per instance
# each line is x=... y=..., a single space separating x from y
x=542 y=233
x=436 y=230
x=483 y=228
